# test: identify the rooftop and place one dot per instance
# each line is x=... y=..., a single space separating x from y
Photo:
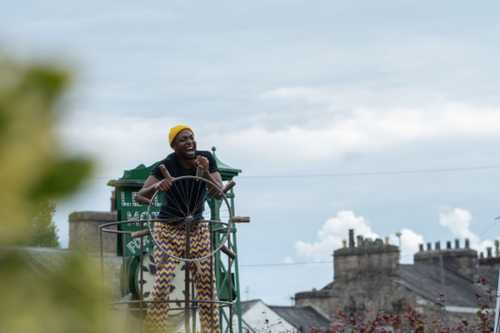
x=303 y=318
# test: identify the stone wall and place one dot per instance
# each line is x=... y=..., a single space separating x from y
x=318 y=299
x=461 y=261
x=360 y=296
x=365 y=257
x=84 y=231
x=364 y=298
x=350 y=265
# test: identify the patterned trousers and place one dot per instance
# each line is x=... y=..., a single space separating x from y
x=173 y=242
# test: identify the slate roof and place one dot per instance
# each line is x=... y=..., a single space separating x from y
x=303 y=318
x=425 y=281
x=490 y=274
x=246 y=305
x=246 y=327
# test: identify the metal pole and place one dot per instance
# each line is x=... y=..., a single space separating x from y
x=236 y=269
x=229 y=264
x=497 y=307
x=212 y=283
x=141 y=274
x=187 y=328
x=102 y=253
x=194 y=307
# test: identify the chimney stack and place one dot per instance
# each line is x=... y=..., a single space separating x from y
x=364 y=258
x=462 y=261
x=351 y=237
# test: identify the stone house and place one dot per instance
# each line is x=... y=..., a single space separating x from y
x=369 y=279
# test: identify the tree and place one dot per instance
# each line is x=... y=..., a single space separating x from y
x=44 y=231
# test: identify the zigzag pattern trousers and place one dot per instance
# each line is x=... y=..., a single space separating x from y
x=173 y=241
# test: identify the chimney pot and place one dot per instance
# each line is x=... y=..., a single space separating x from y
x=457 y=243
x=351 y=237
x=359 y=239
x=481 y=255
x=448 y=245
x=467 y=243
x=497 y=248
x=488 y=251
x=429 y=246
x=438 y=246
x=421 y=247
x=344 y=243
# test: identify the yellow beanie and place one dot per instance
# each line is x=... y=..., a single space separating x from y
x=176 y=130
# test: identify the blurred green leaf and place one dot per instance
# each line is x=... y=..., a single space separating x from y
x=3 y=120
x=61 y=178
x=42 y=290
x=46 y=81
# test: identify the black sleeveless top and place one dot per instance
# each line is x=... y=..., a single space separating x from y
x=187 y=196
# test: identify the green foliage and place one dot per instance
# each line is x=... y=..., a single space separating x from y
x=63 y=177
x=43 y=229
x=63 y=293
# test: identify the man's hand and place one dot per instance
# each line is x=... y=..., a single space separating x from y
x=140 y=199
x=202 y=163
x=163 y=185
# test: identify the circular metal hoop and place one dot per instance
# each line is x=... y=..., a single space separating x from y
x=189 y=219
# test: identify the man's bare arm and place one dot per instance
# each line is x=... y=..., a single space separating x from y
x=216 y=178
x=151 y=185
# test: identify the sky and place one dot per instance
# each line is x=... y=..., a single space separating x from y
x=379 y=116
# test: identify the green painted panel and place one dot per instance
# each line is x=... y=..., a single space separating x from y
x=129 y=210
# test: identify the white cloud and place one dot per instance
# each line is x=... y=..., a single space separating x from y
x=288 y=260
x=409 y=244
x=303 y=94
x=336 y=229
x=117 y=143
x=317 y=124
x=459 y=221
x=365 y=129
x=331 y=234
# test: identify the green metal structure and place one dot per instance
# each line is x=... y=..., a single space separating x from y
x=226 y=269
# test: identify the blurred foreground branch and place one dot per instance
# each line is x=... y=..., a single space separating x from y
x=66 y=296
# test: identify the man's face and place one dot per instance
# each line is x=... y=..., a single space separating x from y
x=184 y=144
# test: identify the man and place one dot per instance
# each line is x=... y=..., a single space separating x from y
x=183 y=201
